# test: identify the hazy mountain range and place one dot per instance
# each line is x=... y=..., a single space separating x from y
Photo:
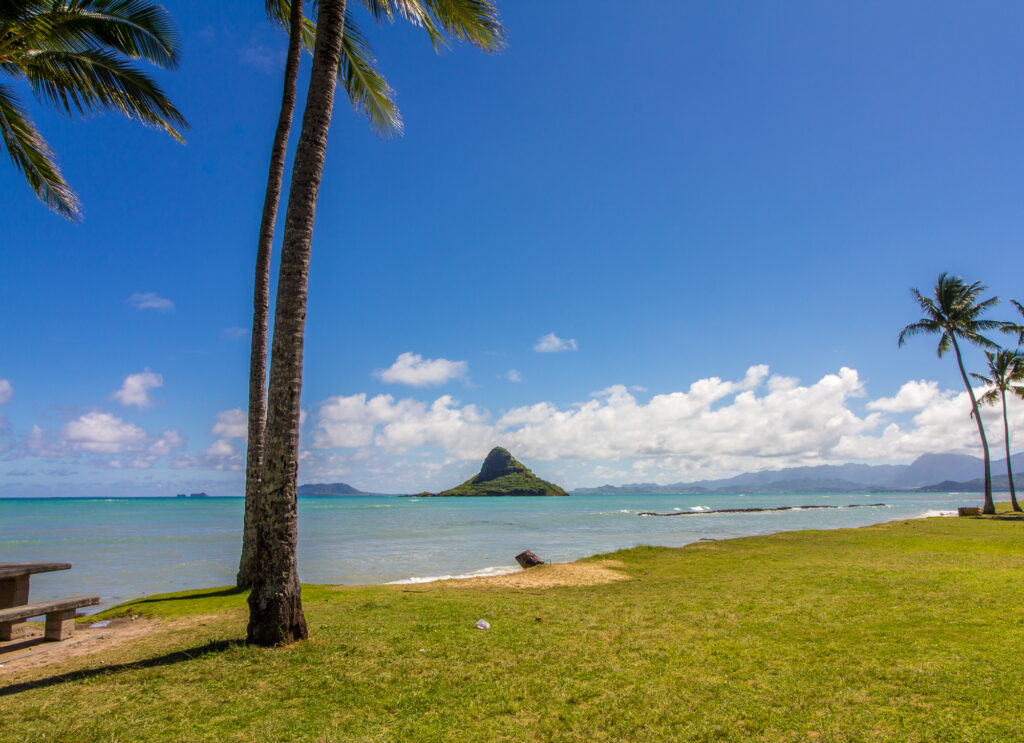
x=933 y=472
x=330 y=488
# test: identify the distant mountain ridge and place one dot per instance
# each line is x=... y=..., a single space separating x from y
x=927 y=472
x=330 y=488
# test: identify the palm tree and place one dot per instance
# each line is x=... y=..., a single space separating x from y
x=367 y=91
x=1006 y=374
x=74 y=56
x=275 y=604
x=954 y=312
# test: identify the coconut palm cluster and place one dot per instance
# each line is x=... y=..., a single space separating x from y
x=955 y=312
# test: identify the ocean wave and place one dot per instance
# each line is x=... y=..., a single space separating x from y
x=934 y=514
x=699 y=508
x=482 y=573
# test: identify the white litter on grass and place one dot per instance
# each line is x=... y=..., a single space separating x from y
x=482 y=624
x=99 y=625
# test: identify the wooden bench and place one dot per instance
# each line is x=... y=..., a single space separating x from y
x=60 y=615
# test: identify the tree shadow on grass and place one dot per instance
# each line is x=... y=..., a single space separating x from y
x=179 y=656
x=204 y=594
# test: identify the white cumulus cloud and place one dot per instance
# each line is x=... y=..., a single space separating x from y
x=551 y=343
x=716 y=423
x=944 y=424
x=6 y=390
x=231 y=424
x=911 y=396
x=150 y=301
x=105 y=441
x=412 y=369
x=135 y=389
x=714 y=428
x=514 y=375
x=103 y=433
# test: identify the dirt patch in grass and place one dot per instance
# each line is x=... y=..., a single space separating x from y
x=587 y=573
x=31 y=651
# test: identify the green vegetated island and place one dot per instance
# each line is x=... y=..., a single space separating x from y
x=501 y=474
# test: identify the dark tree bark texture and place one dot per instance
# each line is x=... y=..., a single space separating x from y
x=275 y=604
x=261 y=300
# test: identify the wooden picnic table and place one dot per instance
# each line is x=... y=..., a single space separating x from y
x=9 y=570
x=14 y=584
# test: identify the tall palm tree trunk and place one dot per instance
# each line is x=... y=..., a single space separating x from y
x=275 y=603
x=1009 y=463
x=988 y=506
x=261 y=298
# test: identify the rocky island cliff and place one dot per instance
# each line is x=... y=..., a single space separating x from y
x=501 y=474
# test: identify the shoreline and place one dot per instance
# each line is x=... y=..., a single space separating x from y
x=497 y=571
x=176 y=544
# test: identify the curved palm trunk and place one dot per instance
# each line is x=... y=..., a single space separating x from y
x=988 y=506
x=275 y=603
x=1009 y=464
x=261 y=299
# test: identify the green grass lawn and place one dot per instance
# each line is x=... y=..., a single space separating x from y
x=905 y=631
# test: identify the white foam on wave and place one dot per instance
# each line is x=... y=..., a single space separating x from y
x=699 y=508
x=482 y=573
x=934 y=514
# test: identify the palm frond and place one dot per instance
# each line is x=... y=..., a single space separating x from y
x=977 y=339
x=983 y=379
x=989 y=398
x=380 y=10
x=475 y=21
x=278 y=12
x=85 y=82
x=921 y=327
x=367 y=89
x=1014 y=327
x=34 y=158
x=926 y=303
x=414 y=12
x=137 y=29
x=955 y=312
x=945 y=343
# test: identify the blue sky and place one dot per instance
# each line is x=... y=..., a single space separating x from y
x=713 y=211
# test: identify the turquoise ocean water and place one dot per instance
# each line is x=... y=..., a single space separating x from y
x=124 y=548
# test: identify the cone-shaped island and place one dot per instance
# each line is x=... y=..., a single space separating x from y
x=502 y=474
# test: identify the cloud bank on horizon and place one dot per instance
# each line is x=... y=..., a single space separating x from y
x=715 y=428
